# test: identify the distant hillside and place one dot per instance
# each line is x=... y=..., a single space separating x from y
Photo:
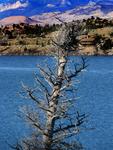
x=17 y=20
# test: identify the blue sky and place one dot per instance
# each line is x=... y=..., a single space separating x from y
x=41 y=1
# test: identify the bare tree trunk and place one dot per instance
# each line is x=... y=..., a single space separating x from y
x=54 y=102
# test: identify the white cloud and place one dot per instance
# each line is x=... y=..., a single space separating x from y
x=18 y=4
x=50 y=5
x=65 y=2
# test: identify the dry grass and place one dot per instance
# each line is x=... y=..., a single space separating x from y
x=105 y=32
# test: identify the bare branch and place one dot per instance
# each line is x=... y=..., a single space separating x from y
x=78 y=70
x=36 y=124
x=39 y=102
x=42 y=85
x=47 y=76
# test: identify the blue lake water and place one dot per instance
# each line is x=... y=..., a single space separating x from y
x=95 y=92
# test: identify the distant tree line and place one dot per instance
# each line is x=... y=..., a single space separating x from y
x=96 y=22
x=12 y=31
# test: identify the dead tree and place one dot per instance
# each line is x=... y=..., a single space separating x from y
x=55 y=117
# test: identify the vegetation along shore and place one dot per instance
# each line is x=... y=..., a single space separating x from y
x=25 y=39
